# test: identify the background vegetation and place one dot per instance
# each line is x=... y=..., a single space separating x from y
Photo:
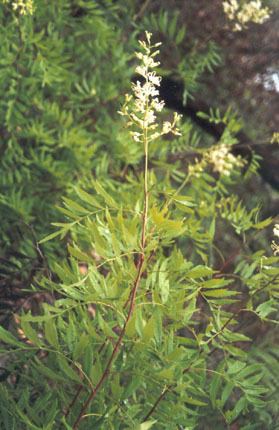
x=65 y=69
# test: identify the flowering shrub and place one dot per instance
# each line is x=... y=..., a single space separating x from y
x=143 y=327
x=241 y=13
x=24 y=7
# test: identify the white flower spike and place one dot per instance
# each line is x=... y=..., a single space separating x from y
x=142 y=111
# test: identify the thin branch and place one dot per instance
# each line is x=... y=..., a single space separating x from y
x=71 y=405
x=267 y=284
x=115 y=349
x=136 y=284
x=159 y=399
x=80 y=387
x=170 y=387
x=141 y=11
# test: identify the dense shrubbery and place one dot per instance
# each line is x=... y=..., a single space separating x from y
x=63 y=71
x=53 y=106
x=145 y=321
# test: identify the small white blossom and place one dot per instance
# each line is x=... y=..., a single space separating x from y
x=230 y=7
x=166 y=127
x=154 y=79
x=274 y=245
x=141 y=70
x=276 y=230
x=148 y=36
x=158 y=105
x=136 y=136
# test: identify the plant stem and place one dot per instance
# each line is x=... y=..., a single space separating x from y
x=115 y=349
x=80 y=387
x=170 y=387
x=159 y=399
x=136 y=284
x=145 y=198
x=168 y=202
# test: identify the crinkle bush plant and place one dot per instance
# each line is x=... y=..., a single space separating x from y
x=143 y=331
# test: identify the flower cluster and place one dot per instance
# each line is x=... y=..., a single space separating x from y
x=142 y=107
x=242 y=14
x=223 y=160
x=220 y=157
x=274 y=245
x=24 y=7
x=197 y=167
x=275 y=137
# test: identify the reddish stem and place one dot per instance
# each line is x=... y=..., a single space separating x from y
x=116 y=347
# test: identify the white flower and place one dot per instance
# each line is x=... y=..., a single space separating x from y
x=154 y=79
x=276 y=230
x=274 y=245
x=230 y=8
x=141 y=70
x=158 y=105
x=136 y=136
x=166 y=127
x=148 y=36
x=149 y=118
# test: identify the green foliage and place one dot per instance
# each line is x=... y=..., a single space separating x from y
x=58 y=103
x=176 y=353
x=51 y=105
x=188 y=67
x=267 y=358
